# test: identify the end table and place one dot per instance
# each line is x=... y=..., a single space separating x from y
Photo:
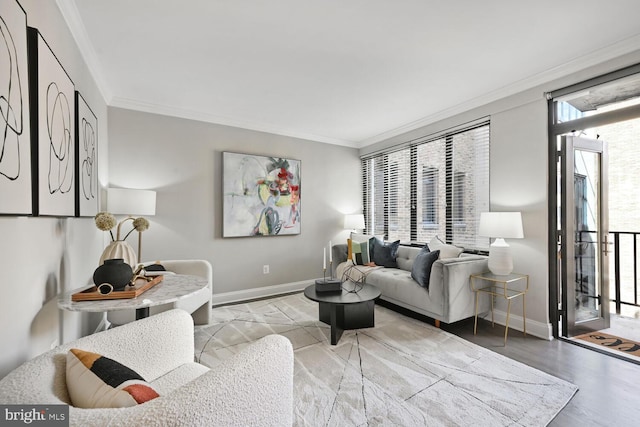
x=501 y=286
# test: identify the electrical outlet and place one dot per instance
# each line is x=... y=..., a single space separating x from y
x=265 y=269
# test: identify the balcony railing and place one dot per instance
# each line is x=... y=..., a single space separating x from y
x=625 y=271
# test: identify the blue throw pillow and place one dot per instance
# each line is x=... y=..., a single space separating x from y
x=385 y=254
x=421 y=270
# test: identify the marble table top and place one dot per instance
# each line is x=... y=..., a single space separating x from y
x=172 y=288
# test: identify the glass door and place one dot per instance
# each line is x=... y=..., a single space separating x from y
x=585 y=247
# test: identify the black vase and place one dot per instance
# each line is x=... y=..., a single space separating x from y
x=115 y=272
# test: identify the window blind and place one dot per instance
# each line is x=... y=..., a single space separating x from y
x=433 y=186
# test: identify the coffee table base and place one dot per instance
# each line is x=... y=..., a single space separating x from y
x=343 y=317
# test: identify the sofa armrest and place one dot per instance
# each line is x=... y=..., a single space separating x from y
x=254 y=387
x=450 y=281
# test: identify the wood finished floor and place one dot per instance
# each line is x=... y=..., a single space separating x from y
x=609 y=392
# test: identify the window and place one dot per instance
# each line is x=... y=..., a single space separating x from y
x=430 y=196
x=433 y=186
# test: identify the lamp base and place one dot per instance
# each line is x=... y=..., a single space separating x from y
x=500 y=260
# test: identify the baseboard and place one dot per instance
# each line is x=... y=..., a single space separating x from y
x=256 y=293
x=537 y=329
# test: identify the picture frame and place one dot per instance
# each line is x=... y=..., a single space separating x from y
x=262 y=195
x=52 y=130
x=15 y=139
x=86 y=154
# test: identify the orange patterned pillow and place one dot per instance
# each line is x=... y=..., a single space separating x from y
x=95 y=381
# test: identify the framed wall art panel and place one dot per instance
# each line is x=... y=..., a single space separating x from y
x=53 y=136
x=86 y=171
x=15 y=135
x=262 y=195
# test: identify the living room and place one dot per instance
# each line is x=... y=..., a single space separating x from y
x=180 y=158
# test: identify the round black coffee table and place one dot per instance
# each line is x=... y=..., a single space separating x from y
x=345 y=310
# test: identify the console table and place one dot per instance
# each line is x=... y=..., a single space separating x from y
x=172 y=288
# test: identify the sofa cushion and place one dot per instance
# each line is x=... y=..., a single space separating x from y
x=446 y=250
x=421 y=270
x=384 y=254
x=95 y=381
x=397 y=286
x=406 y=256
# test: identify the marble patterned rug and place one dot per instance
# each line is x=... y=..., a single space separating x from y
x=401 y=372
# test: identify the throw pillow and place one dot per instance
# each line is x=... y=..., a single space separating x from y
x=95 y=381
x=421 y=270
x=385 y=254
x=359 y=252
x=357 y=237
x=446 y=250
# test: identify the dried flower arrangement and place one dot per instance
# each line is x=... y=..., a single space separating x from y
x=105 y=221
x=118 y=248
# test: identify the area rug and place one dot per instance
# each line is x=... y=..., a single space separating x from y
x=401 y=372
x=612 y=342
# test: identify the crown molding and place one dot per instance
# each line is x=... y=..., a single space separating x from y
x=72 y=17
x=132 y=104
x=575 y=65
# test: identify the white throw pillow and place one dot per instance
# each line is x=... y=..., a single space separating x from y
x=95 y=381
x=446 y=250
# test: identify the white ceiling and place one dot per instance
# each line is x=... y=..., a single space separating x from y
x=350 y=72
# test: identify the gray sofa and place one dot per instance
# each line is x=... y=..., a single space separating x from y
x=449 y=297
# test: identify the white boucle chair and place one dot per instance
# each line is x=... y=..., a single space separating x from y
x=253 y=387
x=198 y=304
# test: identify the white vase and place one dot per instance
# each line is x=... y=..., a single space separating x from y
x=120 y=249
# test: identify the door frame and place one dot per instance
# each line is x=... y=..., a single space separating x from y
x=555 y=130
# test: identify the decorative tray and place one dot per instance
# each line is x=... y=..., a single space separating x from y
x=92 y=294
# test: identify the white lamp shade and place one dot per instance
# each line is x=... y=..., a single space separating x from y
x=354 y=222
x=501 y=225
x=126 y=201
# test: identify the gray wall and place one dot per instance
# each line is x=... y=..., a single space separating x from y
x=519 y=180
x=41 y=257
x=182 y=160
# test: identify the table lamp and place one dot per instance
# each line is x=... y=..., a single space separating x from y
x=501 y=225
x=132 y=202
x=354 y=222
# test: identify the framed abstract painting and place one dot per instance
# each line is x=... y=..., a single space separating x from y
x=262 y=195
x=15 y=138
x=86 y=168
x=53 y=139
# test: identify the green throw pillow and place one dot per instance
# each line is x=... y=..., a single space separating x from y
x=360 y=251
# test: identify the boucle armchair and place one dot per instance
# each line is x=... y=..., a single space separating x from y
x=254 y=387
